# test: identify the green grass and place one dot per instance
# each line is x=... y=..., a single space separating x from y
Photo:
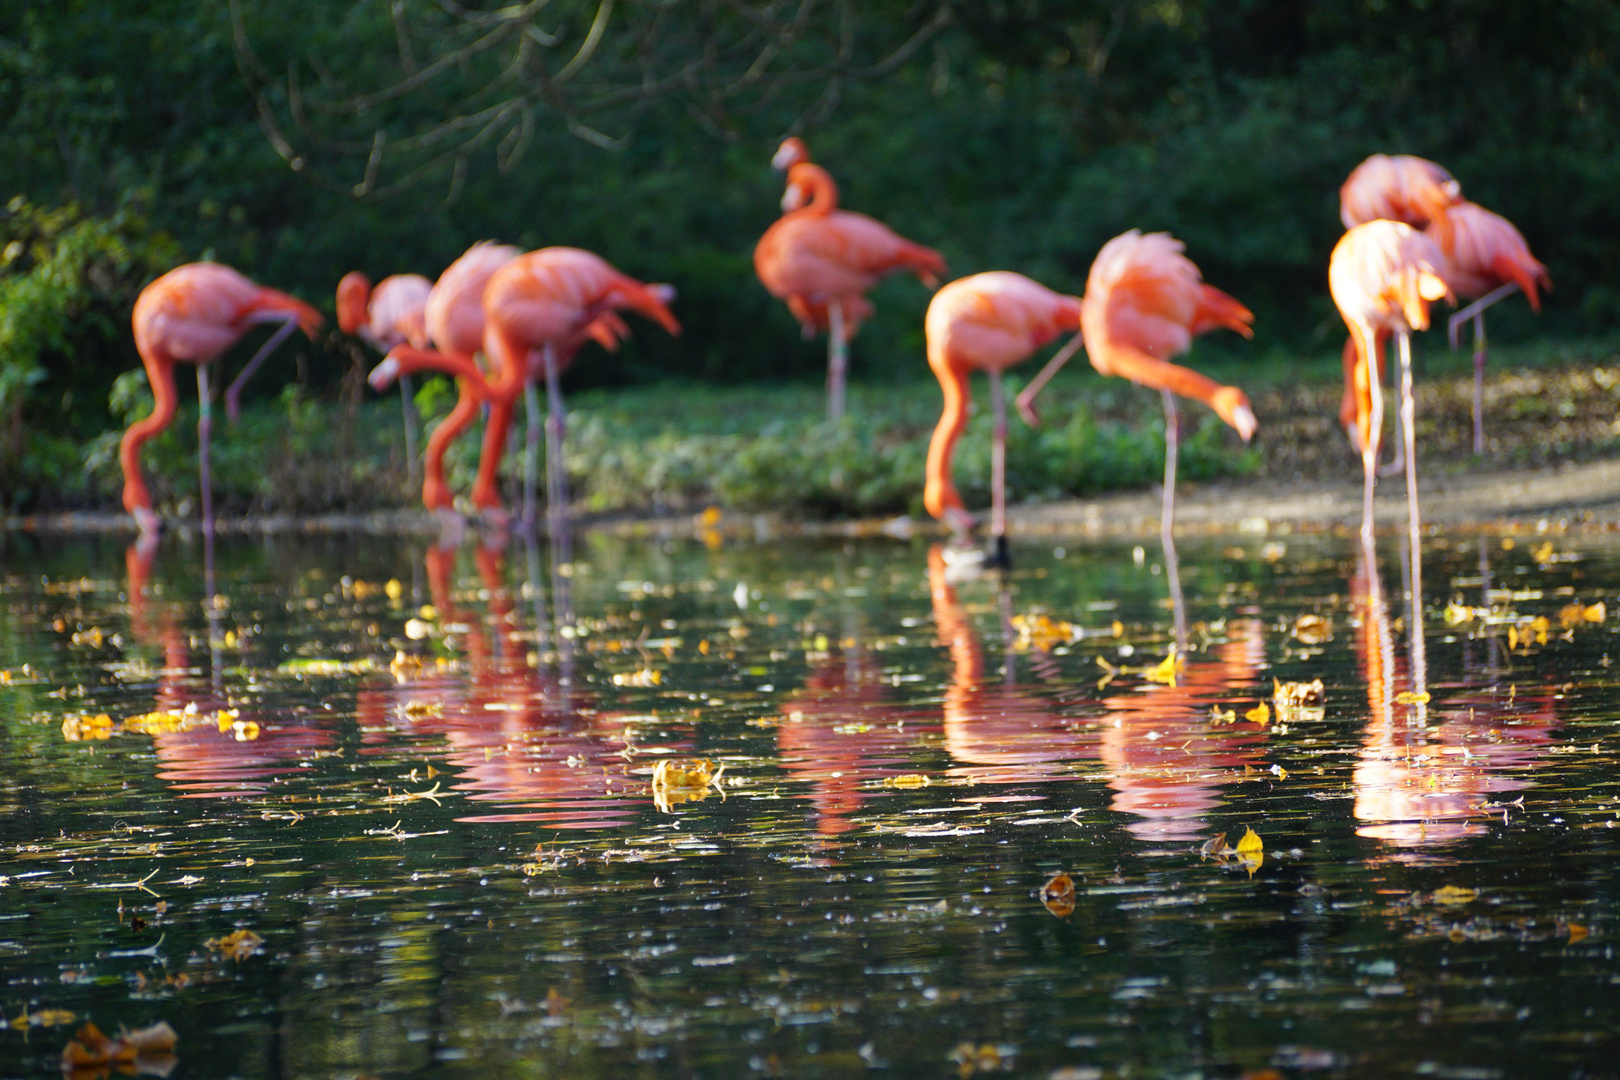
x=758 y=447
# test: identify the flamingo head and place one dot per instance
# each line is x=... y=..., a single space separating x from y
x=383 y=375
x=1232 y=405
x=790 y=153
x=353 y=296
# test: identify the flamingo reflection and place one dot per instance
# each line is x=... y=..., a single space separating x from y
x=519 y=736
x=1426 y=774
x=205 y=748
x=1000 y=732
x=842 y=733
x=1167 y=757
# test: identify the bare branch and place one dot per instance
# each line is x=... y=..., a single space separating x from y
x=592 y=39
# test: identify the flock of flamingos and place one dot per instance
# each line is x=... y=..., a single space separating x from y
x=1412 y=239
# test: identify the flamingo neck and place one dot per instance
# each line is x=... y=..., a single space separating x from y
x=820 y=188
x=939 y=493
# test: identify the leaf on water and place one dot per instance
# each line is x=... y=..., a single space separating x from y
x=43 y=1018
x=1313 y=629
x=1250 y=850
x=1044 y=633
x=1457 y=613
x=643 y=678
x=675 y=782
x=1218 y=715
x=1412 y=697
x=985 y=1057
x=145 y=1046
x=1058 y=895
x=323 y=666
x=1577 y=932
x=1288 y=695
x=1215 y=847
x=83 y=727
x=1571 y=615
x=909 y=780
x=1167 y=670
x=1452 y=894
x=238 y=945
x=1260 y=714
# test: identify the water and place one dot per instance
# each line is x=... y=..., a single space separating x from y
x=423 y=780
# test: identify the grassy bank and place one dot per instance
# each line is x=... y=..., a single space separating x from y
x=678 y=446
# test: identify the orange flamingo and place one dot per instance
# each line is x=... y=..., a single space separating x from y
x=1383 y=276
x=538 y=310
x=383 y=317
x=192 y=315
x=987 y=322
x=1488 y=259
x=453 y=316
x=1145 y=301
x=816 y=316
x=1402 y=188
x=821 y=260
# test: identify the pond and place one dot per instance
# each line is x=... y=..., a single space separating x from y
x=364 y=806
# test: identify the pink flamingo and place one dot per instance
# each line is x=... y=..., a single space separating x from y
x=822 y=260
x=383 y=317
x=1488 y=260
x=1383 y=276
x=192 y=315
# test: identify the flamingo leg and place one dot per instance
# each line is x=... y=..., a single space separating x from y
x=1397 y=462
x=531 y=451
x=837 y=359
x=1476 y=313
x=998 y=473
x=233 y=392
x=1374 y=430
x=205 y=434
x=1026 y=400
x=1408 y=411
x=1172 y=450
x=1178 y=601
x=556 y=428
x=407 y=402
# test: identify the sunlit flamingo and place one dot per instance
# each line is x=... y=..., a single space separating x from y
x=538 y=310
x=1145 y=301
x=987 y=322
x=1383 y=276
x=1488 y=259
x=192 y=315
x=383 y=317
x=453 y=316
x=1402 y=188
x=822 y=260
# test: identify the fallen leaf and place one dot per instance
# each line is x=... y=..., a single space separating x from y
x=1313 y=629
x=909 y=780
x=1250 y=850
x=1058 y=895
x=1293 y=694
x=238 y=945
x=1260 y=714
x=1215 y=847
x=1411 y=697
x=675 y=782
x=1577 y=932
x=1452 y=894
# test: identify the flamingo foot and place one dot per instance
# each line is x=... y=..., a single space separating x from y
x=998 y=557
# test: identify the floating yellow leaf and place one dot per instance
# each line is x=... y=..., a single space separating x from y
x=80 y=728
x=1596 y=612
x=1250 y=850
x=1412 y=697
x=1167 y=670
x=909 y=780
x=1218 y=715
x=1577 y=932
x=643 y=677
x=1544 y=553
x=394 y=589
x=1452 y=894
x=1042 y=632
x=675 y=782
x=1313 y=629
x=1260 y=714
x=1058 y=895
x=1456 y=614
x=1289 y=695
x=237 y=945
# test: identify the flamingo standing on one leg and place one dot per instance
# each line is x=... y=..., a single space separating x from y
x=192 y=315
x=1145 y=301
x=384 y=317
x=1402 y=188
x=1487 y=261
x=816 y=317
x=821 y=260
x=987 y=322
x=1383 y=276
x=538 y=310
x=454 y=318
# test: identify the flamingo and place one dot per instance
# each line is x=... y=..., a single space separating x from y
x=539 y=310
x=1383 y=276
x=1145 y=301
x=383 y=317
x=1487 y=261
x=1402 y=188
x=453 y=316
x=821 y=260
x=192 y=315
x=792 y=152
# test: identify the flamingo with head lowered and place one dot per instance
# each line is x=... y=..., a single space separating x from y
x=384 y=317
x=821 y=260
x=192 y=315
x=1145 y=302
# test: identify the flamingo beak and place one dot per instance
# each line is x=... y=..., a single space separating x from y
x=792 y=198
x=1243 y=420
x=383 y=375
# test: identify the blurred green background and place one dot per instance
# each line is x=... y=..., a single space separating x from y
x=137 y=134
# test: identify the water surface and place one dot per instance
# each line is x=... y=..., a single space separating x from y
x=422 y=779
